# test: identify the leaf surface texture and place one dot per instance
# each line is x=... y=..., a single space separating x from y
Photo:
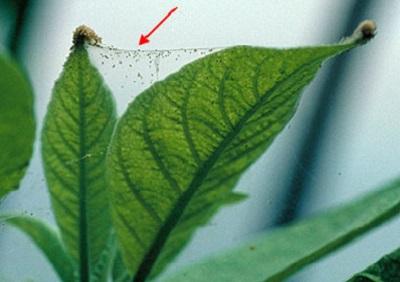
x=75 y=138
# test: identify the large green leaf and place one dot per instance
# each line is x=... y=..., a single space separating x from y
x=76 y=134
x=17 y=124
x=48 y=241
x=182 y=145
x=278 y=254
x=387 y=269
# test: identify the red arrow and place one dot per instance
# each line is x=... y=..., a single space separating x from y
x=145 y=38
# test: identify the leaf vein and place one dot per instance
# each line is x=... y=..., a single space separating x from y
x=156 y=157
x=135 y=191
x=185 y=124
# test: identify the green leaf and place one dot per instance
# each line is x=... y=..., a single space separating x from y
x=76 y=134
x=102 y=269
x=183 y=144
x=17 y=124
x=387 y=269
x=119 y=272
x=48 y=241
x=276 y=255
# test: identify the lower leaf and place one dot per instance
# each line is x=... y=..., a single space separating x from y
x=387 y=269
x=276 y=255
x=48 y=242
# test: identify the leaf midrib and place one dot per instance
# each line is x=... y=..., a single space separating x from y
x=83 y=239
x=172 y=220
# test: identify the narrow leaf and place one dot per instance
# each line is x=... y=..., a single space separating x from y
x=48 y=241
x=278 y=254
x=387 y=269
x=183 y=144
x=76 y=134
x=17 y=124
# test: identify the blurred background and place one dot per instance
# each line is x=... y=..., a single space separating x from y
x=343 y=142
